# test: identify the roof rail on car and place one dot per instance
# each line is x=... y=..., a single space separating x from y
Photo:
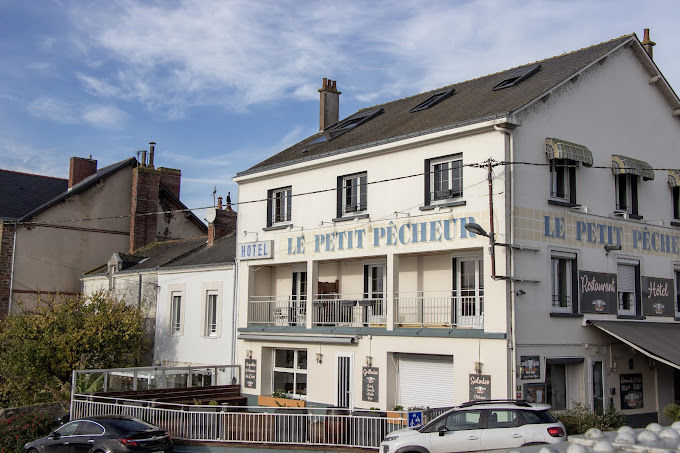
x=521 y=403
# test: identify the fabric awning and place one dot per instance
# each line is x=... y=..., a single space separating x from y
x=623 y=165
x=658 y=340
x=561 y=149
x=674 y=178
x=563 y=360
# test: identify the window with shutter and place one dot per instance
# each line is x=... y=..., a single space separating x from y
x=279 y=205
x=563 y=269
x=627 y=288
x=352 y=194
x=443 y=179
x=627 y=193
x=563 y=180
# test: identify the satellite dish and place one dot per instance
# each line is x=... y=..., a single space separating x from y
x=211 y=215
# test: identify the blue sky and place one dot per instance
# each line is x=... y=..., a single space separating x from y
x=222 y=85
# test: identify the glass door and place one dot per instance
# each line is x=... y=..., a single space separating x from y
x=469 y=291
x=598 y=388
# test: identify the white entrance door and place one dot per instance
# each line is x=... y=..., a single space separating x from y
x=469 y=291
x=425 y=380
x=344 y=380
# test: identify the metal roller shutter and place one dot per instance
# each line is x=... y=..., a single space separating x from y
x=425 y=380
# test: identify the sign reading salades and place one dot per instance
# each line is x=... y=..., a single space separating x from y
x=657 y=296
x=255 y=250
x=597 y=292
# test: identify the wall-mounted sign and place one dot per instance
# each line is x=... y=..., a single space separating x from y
x=415 y=418
x=369 y=384
x=658 y=296
x=597 y=292
x=250 y=374
x=631 y=391
x=535 y=393
x=255 y=250
x=530 y=367
x=480 y=387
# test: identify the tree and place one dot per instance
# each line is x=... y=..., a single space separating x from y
x=40 y=348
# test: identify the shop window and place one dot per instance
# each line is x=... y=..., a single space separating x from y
x=352 y=194
x=627 y=193
x=211 y=314
x=279 y=205
x=290 y=371
x=443 y=179
x=564 y=283
x=556 y=382
x=563 y=180
x=176 y=314
x=628 y=284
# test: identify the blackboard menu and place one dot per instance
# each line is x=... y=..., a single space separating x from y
x=369 y=384
x=631 y=391
x=530 y=367
x=657 y=296
x=480 y=387
x=597 y=292
x=250 y=374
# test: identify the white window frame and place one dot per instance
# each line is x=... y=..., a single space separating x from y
x=555 y=257
x=280 y=196
x=176 y=320
x=631 y=311
x=478 y=296
x=451 y=177
x=211 y=328
x=563 y=167
x=360 y=191
x=295 y=370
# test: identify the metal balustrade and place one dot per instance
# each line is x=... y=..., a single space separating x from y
x=277 y=310
x=353 y=310
x=440 y=309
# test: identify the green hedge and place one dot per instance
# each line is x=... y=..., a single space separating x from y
x=579 y=418
x=16 y=431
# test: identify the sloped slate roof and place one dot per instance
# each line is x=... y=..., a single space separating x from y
x=222 y=251
x=473 y=101
x=23 y=192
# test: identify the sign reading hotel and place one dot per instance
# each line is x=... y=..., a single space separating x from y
x=597 y=292
x=657 y=296
x=392 y=234
x=255 y=250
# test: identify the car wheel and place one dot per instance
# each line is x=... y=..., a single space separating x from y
x=32 y=450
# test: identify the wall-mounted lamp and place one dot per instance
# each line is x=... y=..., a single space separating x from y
x=478 y=367
x=249 y=353
x=369 y=360
x=407 y=214
x=325 y=222
x=520 y=292
x=319 y=357
x=246 y=233
x=477 y=229
x=610 y=248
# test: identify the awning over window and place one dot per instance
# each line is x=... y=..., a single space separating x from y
x=674 y=178
x=563 y=360
x=658 y=340
x=560 y=149
x=623 y=165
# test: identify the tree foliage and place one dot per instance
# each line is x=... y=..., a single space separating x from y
x=40 y=348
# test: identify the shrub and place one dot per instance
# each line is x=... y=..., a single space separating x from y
x=579 y=418
x=16 y=431
x=672 y=411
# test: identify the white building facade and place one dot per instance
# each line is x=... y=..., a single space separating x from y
x=359 y=284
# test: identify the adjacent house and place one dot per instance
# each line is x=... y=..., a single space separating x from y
x=53 y=230
x=513 y=235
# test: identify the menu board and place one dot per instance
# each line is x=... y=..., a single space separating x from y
x=657 y=296
x=597 y=292
x=480 y=387
x=631 y=391
x=250 y=374
x=530 y=367
x=369 y=384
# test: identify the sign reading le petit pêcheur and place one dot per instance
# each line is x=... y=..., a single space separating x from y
x=255 y=250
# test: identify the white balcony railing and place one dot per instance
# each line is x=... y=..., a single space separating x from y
x=353 y=310
x=440 y=309
x=277 y=310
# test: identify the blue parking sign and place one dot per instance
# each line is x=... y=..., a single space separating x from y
x=415 y=418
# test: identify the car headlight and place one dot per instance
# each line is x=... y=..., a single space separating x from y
x=391 y=438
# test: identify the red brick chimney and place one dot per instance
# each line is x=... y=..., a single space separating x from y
x=79 y=169
x=143 y=228
x=329 y=105
x=648 y=44
x=170 y=178
x=224 y=223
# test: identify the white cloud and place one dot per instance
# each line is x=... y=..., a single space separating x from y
x=104 y=116
x=52 y=109
x=60 y=111
x=22 y=157
x=48 y=43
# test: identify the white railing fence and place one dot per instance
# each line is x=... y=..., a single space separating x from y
x=353 y=310
x=307 y=426
x=277 y=310
x=440 y=308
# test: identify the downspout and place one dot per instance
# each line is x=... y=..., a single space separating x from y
x=11 y=272
x=234 y=315
x=139 y=292
x=509 y=262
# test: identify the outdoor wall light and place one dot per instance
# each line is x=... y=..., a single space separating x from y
x=246 y=233
x=609 y=248
x=249 y=353
x=520 y=292
x=478 y=367
x=476 y=228
x=319 y=357
x=369 y=360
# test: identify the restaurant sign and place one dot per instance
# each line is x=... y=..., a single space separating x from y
x=480 y=387
x=657 y=296
x=530 y=367
x=369 y=384
x=631 y=391
x=597 y=292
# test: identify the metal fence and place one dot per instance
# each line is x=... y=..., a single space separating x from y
x=308 y=426
x=440 y=308
x=277 y=310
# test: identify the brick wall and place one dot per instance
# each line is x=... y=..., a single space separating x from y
x=145 y=182
x=6 y=248
x=170 y=178
x=79 y=169
x=225 y=223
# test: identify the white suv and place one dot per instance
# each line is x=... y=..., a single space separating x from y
x=481 y=425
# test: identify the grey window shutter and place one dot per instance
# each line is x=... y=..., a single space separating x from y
x=269 y=208
x=634 y=194
x=572 y=182
x=574 y=286
x=339 y=196
x=638 y=292
x=294 y=291
x=364 y=189
x=366 y=277
x=426 y=173
x=289 y=203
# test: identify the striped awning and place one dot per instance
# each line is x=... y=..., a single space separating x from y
x=561 y=149
x=623 y=165
x=674 y=178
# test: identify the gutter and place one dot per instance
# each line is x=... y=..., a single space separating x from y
x=11 y=275
x=234 y=315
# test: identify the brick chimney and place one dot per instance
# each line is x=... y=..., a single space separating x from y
x=79 y=169
x=329 y=105
x=170 y=178
x=648 y=44
x=224 y=223
x=143 y=228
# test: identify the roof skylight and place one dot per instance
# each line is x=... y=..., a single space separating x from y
x=347 y=124
x=433 y=100
x=518 y=77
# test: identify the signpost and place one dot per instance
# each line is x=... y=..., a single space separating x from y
x=415 y=418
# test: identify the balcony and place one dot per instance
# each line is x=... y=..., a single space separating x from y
x=447 y=309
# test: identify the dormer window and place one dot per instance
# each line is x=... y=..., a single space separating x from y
x=564 y=158
x=433 y=100
x=347 y=124
x=517 y=77
x=628 y=172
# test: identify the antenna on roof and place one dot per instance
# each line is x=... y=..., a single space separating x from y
x=213 y=194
